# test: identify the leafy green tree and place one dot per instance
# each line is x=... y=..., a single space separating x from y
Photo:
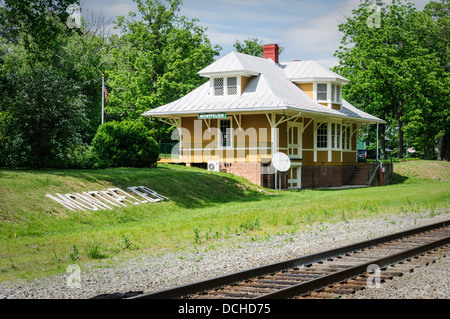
x=252 y=47
x=394 y=73
x=439 y=11
x=42 y=124
x=77 y=55
x=83 y=59
x=36 y=24
x=155 y=60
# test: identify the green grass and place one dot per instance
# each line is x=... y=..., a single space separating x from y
x=39 y=237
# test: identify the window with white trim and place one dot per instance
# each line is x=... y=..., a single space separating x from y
x=232 y=85
x=335 y=93
x=218 y=86
x=322 y=135
x=322 y=91
x=335 y=135
x=225 y=133
x=225 y=86
x=338 y=136
x=346 y=137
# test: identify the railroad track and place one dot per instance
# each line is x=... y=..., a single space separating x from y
x=327 y=274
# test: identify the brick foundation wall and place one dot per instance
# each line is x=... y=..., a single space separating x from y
x=250 y=171
x=325 y=176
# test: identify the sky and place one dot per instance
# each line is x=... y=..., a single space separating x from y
x=308 y=30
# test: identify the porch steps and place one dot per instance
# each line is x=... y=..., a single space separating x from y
x=360 y=175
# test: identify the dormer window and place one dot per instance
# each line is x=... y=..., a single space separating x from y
x=232 y=85
x=225 y=85
x=322 y=92
x=218 y=86
x=335 y=93
x=328 y=94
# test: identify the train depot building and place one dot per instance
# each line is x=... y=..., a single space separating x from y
x=252 y=108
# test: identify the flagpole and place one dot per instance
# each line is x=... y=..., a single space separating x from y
x=103 y=98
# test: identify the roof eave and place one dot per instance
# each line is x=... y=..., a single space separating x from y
x=263 y=109
x=319 y=79
x=228 y=73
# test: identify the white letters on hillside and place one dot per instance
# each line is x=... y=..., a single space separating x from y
x=107 y=199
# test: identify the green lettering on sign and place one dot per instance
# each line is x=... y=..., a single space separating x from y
x=212 y=116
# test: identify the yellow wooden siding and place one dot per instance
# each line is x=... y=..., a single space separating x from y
x=308 y=134
x=308 y=156
x=244 y=82
x=335 y=106
x=322 y=156
x=336 y=156
x=349 y=157
x=307 y=88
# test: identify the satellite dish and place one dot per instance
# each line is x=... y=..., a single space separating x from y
x=281 y=162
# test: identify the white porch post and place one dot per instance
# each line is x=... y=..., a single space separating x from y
x=274 y=138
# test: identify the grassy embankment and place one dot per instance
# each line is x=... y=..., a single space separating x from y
x=39 y=237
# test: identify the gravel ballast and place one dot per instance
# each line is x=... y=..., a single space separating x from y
x=151 y=273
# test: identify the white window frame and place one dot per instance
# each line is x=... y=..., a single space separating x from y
x=235 y=86
x=338 y=94
x=225 y=85
x=346 y=137
x=230 y=138
x=317 y=136
x=333 y=92
x=214 y=87
x=336 y=140
x=316 y=92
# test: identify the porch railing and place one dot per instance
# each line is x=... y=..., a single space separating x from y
x=213 y=151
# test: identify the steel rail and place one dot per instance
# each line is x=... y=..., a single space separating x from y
x=336 y=277
x=229 y=279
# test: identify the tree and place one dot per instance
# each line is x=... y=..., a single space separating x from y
x=43 y=123
x=40 y=37
x=393 y=72
x=35 y=24
x=440 y=40
x=155 y=61
x=252 y=47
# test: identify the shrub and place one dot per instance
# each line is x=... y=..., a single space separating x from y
x=125 y=144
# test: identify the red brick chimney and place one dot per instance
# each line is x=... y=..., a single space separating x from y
x=271 y=52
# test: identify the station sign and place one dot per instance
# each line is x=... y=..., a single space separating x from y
x=212 y=116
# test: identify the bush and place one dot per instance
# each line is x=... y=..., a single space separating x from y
x=125 y=144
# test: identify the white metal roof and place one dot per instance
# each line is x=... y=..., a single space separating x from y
x=269 y=89
x=308 y=71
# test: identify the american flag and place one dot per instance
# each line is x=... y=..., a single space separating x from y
x=106 y=94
